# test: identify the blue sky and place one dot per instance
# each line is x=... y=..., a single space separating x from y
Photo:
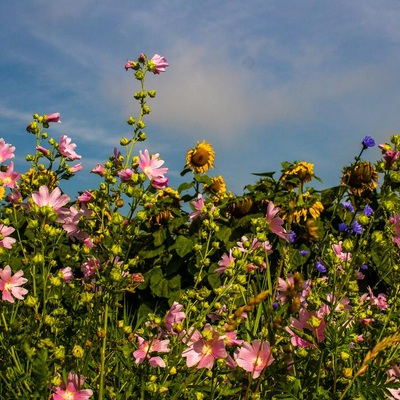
x=264 y=81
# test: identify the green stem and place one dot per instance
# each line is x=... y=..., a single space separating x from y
x=103 y=354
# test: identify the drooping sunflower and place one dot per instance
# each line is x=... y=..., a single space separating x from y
x=360 y=179
x=217 y=186
x=299 y=171
x=201 y=158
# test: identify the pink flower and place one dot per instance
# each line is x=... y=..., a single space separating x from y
x=10 y=285
x=225 y=262
x=77 y=167
x=313 y=322
x=160 y=182
x=99 y=170
x=90 y=267
x=85 y=197
x=14 y=197
x=72 y=389
x=151 y=166
x=148 y=347
x=55 y=199
x=66 y=274
x=6 y=241
x=6 y=151
x=343 y=256
x=254 y=357
x=70 y=220
x=287 y=290
x=394 y=375
x=379 y=301
x=125 y=175
x=10 y=177
x=275 y=223
x=198 y=206
x=130 y=65
x=67 y=149
x=202 y=351
x=43 y=150
x=174 y=316
x=55 y=117
x=390 y=157
x=157 y=64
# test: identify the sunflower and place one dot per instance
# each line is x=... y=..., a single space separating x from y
x=200 y=158
x=217 y=186
x=361 y=178
x=300 y=171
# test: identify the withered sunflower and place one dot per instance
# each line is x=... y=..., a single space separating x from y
x=301 y=170
x=201 y=158
x=361 y=178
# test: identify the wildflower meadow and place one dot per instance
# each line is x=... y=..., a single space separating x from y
x=137 y=290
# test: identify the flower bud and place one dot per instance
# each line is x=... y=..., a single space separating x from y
x=131 y=121
x=142 y=136
x=141 y=124
x=77 y=351
x=124 y=141
x=151 y=93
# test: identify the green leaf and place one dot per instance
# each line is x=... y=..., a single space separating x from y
x=267 y=174
x=185 y=186
x=203 y=179
x=182 y=246
x=159 y=236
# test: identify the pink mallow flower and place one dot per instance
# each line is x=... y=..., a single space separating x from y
x=67 y=149
x=174 y=316
x=315 y=325
x=55 y=199
x=287 y=290
x=99 y=170
x=146 y=348
x=394 y=375
x=343 y=256
x=157 y=64
x=204 y=349
x=85 y=197
x=254 y=357
x=6 y=241
x=227 y=260
x=378 y=301
x=10 y=177
x=71 y=390
x=66 y=274
x=275 y=223
x=6 y=151
x=54 y=117
x=70 y=220
x=151 y=166
x=11 y=285
x=160 y=182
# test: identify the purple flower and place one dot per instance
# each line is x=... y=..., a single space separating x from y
x=348 y=206
x=304 y=253
x=342 y=227
x=364 y=267
x=368 y=142
x=291 y=236
x=368 y=210
x=320 y=267
x=357 y=228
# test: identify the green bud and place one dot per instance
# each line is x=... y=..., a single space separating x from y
x=124 y=141
x=30 y=301
x=29 y=157
x=141 y=124
x=139 y=75
x=142 y=136
x=348 y=245
x=131 y=121
x=77 y=351
x=377 y=237
x=151 y=93
x=52 y=141
x=44 y=135
x=146 y=109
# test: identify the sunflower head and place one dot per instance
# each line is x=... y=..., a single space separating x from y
x=201 y=158
x=298 y=172
x=217 y=186
x=361 y=178
x=241 y=206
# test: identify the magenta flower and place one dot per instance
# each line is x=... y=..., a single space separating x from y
x=157 y=64
x=152 y=166
x=85 y=197
x=254 y=357
x=6 y=151
x=378 y=301
x=146 y=348
x=125 y=175
x=67 y=149
x=160 y=182
x=55 y=117
x=55 y=199
x=390 y=157
x=313 y=322
x=6 y=241
x=99 y=170
x=10 y=177
x=202 y=351
x=72 y=389
x=10 y=285
x=66 y=274
x=227 y=260
x=275 y=223
x=174 y=316
x=394 y=375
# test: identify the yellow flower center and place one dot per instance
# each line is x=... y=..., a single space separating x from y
x=68 y=395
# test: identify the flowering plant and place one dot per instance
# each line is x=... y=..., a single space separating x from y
x=284 y=292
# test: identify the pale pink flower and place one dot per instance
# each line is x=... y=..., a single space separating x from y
x=203 y=351
x=10 y=177
x=286 y=290
x=6 y=151
x=198 y=206
x=160 y=182
x=313 y=322
x=14 y=197
x=130 y=65
x=379 y=301
x=99 y=170
x=174 y=316
x=151 y=166
x=340 y=306
x=54 y=117
x=275 y=223
x=77 y=167
x=125 y=175
x=67 y=149
x=394 y=375
x=90 y=267
x=71 y=390
x=70 y=220
x=343 y=256
x=66 y=274
x=43 y=150
x=6 y=241
x=10 y=285
x=390 y=157
x=55 y=199
x=231 y=339
x=254 y=357
x=137 y=277
x=146 y=348
x=85 y=197
x=227 y=260
x=157 y=64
